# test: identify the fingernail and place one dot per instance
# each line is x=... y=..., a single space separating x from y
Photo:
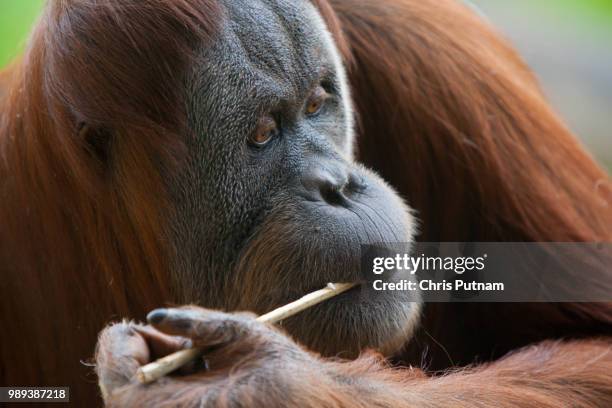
x=157 y=315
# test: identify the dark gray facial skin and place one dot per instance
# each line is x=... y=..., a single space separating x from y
x=257 y=227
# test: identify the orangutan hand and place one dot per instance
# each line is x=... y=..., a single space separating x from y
x=245 y=362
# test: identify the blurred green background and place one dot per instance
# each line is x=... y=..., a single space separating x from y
x=16 y=19
x=567 y=42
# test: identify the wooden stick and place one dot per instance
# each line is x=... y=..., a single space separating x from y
x=157 y=369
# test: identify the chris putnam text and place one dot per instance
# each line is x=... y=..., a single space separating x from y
x=430 y=285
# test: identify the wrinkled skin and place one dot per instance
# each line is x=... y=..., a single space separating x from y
x=259 y=226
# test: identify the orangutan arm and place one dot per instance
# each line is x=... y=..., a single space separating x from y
x=252 y=364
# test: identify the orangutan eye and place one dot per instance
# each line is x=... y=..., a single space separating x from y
x=316 y=101
x=266 y=130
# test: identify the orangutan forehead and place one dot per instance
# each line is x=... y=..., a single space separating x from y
x=286 y=38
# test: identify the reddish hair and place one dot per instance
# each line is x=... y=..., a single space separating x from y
x=452 y=117
x=97 y=75
x=469 y=123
